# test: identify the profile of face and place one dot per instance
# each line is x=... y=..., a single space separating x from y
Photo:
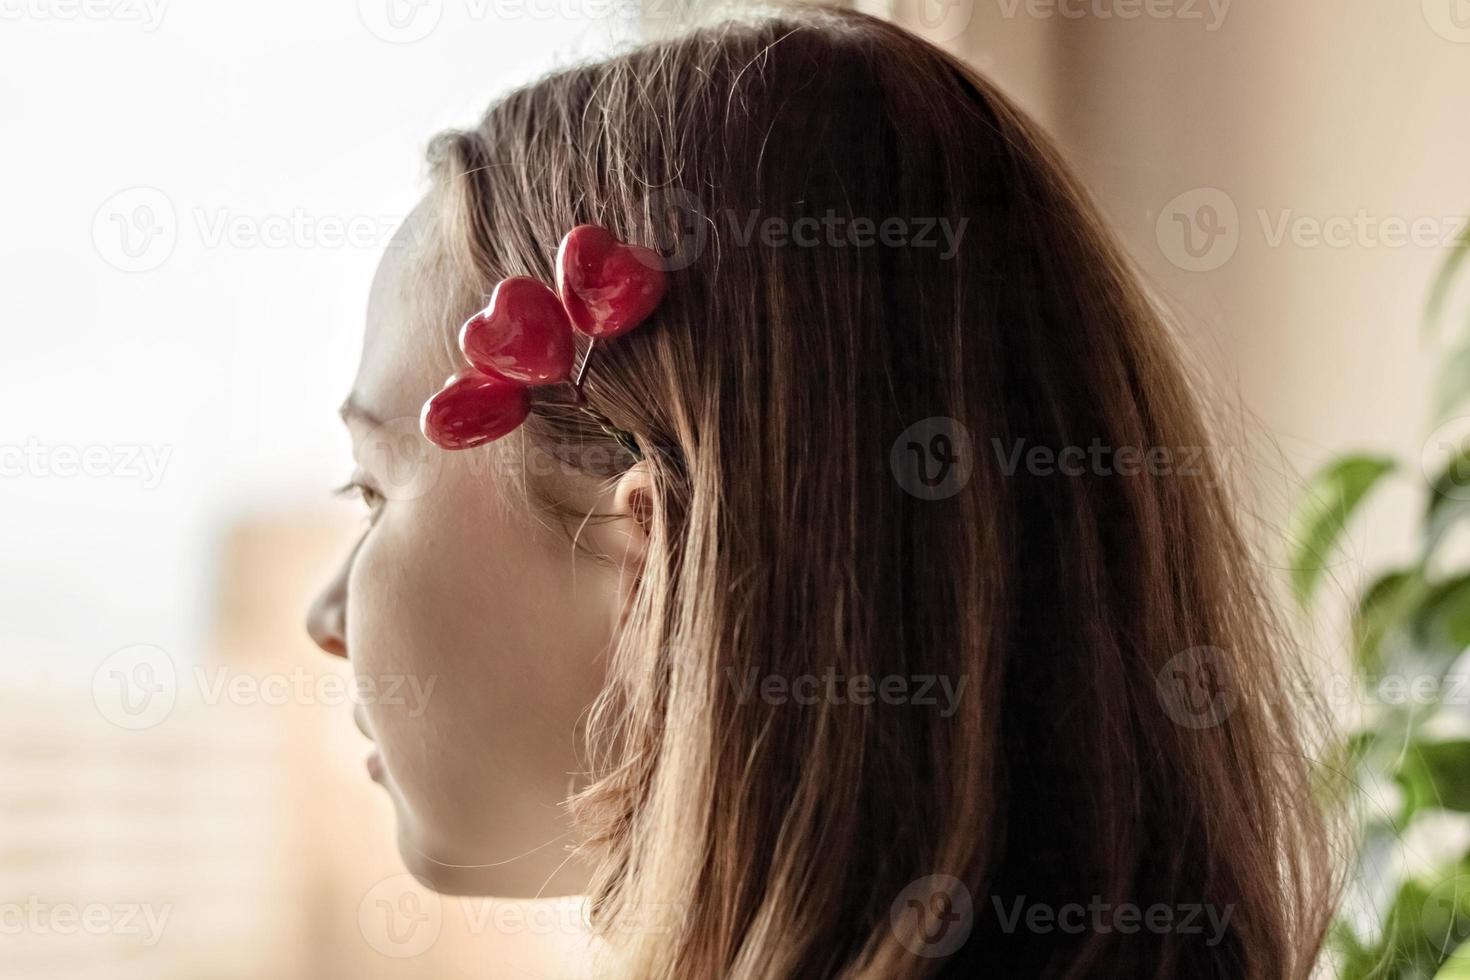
x=477 y=624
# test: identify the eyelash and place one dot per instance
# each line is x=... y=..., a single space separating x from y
x=363 y=492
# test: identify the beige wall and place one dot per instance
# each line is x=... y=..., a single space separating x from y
x=1312 y=107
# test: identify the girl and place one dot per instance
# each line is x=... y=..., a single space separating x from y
x=850 y=616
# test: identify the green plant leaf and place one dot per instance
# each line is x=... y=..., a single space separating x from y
x=1449 y=498
x=1444 y=281
x=1418 y=935
x=1406 y=629
x=1452 y=383
x=1386 y=608
x=1329 y=501
x=1443 y=913
x=1437 y=774
x=1356 y=960
x=1441 y=622
x=1457 y=967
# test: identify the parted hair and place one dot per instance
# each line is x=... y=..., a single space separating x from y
x=740 y=835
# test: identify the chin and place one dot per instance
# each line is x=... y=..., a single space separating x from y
x=537 y=875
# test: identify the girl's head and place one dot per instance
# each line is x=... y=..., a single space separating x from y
x=923 y=584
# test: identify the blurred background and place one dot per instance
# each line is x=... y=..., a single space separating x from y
x=194 y=198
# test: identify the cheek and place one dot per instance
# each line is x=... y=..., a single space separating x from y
x=486 y=618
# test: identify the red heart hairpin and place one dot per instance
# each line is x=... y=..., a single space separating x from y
x=523 y=337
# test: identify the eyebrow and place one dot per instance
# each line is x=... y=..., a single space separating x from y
x=352 y=409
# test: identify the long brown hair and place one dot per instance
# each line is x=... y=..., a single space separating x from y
x=1118 y=734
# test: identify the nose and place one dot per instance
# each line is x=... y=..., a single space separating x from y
x=326 y=621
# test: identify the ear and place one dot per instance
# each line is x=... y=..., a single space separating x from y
x=632 y=509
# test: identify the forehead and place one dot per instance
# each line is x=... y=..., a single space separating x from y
x=407 y=345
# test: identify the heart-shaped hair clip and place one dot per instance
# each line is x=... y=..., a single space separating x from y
x=523 y=337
